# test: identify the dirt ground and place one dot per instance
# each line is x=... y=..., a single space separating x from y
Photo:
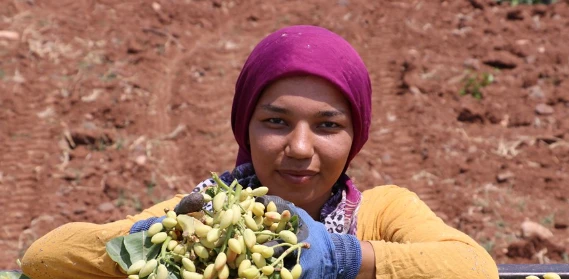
x=107 y=107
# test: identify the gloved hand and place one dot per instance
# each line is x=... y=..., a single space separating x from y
x=301 y=234
x=190 y=203
x=330 y=255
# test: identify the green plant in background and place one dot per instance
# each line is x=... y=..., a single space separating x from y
x=150 y=185
x=521 y=205
x=548 y=220
x=528 y=2
x=474 y=82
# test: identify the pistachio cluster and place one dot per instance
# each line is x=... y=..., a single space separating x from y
x=227 y=242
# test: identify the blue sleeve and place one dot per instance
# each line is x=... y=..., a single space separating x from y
x=348 y=255
x=144 y=225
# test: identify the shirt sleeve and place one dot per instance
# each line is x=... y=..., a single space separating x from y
x=78 y=250
x=410 y=241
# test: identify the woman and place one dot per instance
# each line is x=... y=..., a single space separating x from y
x=301 y=113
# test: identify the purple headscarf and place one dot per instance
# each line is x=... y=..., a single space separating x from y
x=302 y=50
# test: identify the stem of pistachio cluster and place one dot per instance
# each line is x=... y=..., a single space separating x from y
x=171 y=263
x=241 y=226
x=208 y=213
x=220 y=183
x=232 y=186
x=267 y=233
x=164 y=246
x=233 y=195
x=227 y=237
x=236 y=194
x=282 y=244
x=288 y=251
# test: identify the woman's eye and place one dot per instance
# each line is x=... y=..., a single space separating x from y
x=274 y=121
x=329 y=125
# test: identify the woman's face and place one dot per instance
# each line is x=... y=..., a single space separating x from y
x=300 y=137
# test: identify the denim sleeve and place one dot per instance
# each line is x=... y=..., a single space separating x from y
x=348 y=255
x=144 y=225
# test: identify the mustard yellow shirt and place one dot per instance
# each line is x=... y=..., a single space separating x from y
x=408 y=239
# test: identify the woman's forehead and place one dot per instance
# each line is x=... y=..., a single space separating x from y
x=302 y=83
x=308 y=86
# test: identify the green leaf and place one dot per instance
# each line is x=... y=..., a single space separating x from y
x=152 y=250
x=128 y=249
x=210 y=191
x=134 y=244
x=118 y=252
x=140 y=247
x=294 y=222
x=173 y=273
x=12 y=275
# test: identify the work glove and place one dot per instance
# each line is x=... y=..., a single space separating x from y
x=330 y=255
x=187 y=205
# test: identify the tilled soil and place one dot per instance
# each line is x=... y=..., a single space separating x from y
x=107 y=107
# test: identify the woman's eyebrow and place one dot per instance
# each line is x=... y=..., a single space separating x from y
x=320 y=114
x=330 y=113
x=273 y=108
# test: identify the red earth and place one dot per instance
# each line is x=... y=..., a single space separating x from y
x=107 y=107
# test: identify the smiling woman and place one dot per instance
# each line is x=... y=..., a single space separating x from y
x=300 y=137
x=301 y=112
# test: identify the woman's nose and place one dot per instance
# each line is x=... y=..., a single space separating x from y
x=300 y=143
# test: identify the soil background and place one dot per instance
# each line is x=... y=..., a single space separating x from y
x=107 y=107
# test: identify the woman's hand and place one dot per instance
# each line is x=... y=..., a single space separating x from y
x=330 y=255
x=192 y=202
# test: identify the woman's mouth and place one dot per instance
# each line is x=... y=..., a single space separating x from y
x=296 y=177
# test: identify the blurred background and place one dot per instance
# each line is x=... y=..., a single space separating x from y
x=107 y=107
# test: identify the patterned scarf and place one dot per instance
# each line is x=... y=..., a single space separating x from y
x=339 y=213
